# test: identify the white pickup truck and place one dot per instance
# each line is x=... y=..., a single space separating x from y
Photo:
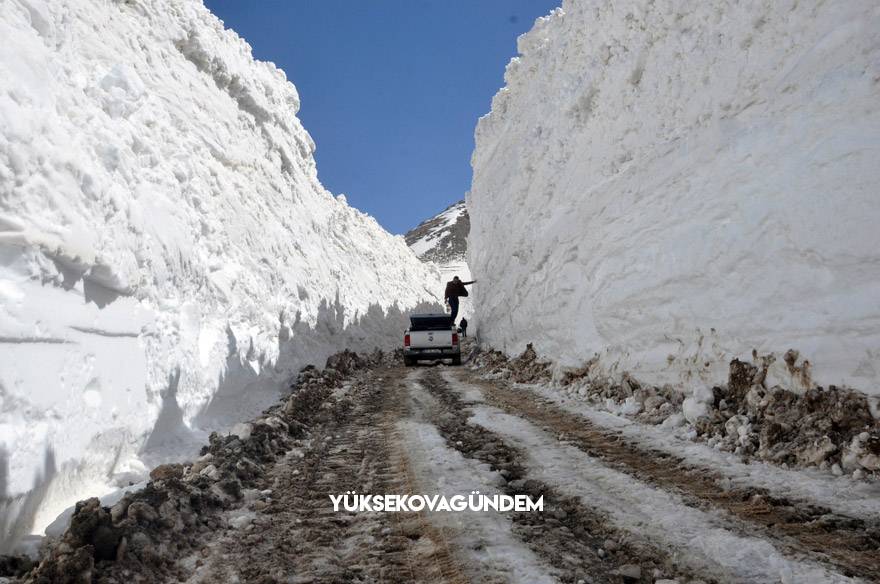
x=431 y=337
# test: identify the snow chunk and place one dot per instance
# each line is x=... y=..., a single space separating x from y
x=697 y=405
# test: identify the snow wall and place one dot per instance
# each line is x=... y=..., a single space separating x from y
x=672 y=184
x=168 y=258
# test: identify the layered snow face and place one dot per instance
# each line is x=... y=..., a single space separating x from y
x=167 y=253
x=442 y=240
x=672 y=184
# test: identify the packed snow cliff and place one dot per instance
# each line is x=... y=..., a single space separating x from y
x=671 y=185
x=168 y=257
x=442 y=240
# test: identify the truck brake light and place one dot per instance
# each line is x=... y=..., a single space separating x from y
x=406 y=340
x=454 y=338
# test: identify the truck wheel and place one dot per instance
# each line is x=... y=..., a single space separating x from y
x=456 y=360
x=409 y=361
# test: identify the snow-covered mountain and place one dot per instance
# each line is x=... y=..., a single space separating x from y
x=442 y=241
x=167 y=254
x=443 y=237
x=670 y=185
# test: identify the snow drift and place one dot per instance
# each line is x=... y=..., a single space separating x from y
x=672 y=184
x=167 y=254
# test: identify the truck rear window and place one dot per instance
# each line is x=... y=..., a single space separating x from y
x=434 y=322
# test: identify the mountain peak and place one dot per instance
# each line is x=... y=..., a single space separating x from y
x=442 y=238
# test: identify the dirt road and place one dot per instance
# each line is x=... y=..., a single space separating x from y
x=614 y=509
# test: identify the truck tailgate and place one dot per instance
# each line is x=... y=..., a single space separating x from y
x=430 y=339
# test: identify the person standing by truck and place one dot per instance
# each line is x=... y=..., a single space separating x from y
x=455 y=288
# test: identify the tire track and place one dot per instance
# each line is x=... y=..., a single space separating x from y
x=849 y=544
x=300 y=538
x=576 y=540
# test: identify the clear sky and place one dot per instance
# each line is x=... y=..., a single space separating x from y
x=391 y=90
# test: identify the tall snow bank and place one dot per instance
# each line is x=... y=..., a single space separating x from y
x=167 y=254
x=671 y=184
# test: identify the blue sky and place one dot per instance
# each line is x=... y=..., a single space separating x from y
x=391 y=89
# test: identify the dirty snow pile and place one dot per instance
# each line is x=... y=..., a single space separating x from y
x=442 y=240
x=671 y=185
x=833 y=429
x=158 y=532
x=168 y=257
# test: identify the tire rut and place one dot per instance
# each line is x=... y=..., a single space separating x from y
x=300 y=538
x=849 y=544
x=568 y=535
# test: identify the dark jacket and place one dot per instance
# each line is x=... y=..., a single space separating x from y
x=456 y=289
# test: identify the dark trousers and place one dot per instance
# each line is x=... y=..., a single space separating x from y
x=453 y=304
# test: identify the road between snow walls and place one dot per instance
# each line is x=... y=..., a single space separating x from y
x=618 y=505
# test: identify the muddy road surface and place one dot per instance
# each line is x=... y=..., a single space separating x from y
x=614 y=510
